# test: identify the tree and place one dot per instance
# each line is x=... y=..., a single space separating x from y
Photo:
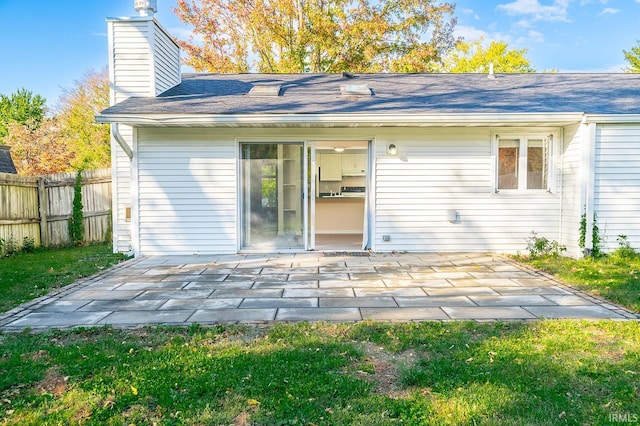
x=21 y=107
x=633 y=57
x=474 y=57
x=293 y=36
x=88 y=140
x=71 y=139
x=40 y=150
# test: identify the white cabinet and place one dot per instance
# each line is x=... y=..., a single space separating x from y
x=330 y=167
x=354 y=164
x=289 y=189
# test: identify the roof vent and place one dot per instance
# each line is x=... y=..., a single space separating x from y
x=355 y=90
x=265 y=91
x=146 y=7
x=491 y=73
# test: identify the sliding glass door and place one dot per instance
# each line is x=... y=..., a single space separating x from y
x=272 y=186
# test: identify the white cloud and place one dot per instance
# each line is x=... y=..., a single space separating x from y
x=469 y=33
x=609 y=11
x=470 y=12
x=184 y=33
x=557 y=11
x=535 y=36
x=531 y=38
x=473 y=34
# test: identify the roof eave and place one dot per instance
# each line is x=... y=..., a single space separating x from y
x=612 y=118
x=341 y=120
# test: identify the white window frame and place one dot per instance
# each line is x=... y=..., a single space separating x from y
x=550 y=138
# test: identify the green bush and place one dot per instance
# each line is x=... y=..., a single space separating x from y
x=76 y=225
x=541 y=246
x=624 y=250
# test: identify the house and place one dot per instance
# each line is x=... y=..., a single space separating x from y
x=206 y=163
x=6 y=162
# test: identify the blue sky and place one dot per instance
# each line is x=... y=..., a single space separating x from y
x=47 y=44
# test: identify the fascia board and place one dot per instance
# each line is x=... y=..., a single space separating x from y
x=612 y=118
x=339 y=120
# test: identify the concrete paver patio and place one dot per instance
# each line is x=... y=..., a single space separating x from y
x=313 y=286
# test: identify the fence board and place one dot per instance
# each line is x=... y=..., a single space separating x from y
x=40 y=208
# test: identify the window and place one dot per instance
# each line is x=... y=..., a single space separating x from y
x=522 y=162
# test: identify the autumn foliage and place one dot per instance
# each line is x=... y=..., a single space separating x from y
x=294 y=36
x=68 y=140
x=38 y=150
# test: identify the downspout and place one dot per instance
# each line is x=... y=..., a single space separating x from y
x=115 y=131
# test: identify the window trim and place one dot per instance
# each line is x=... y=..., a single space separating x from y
x=550 y=137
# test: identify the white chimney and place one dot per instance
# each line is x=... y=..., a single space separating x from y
x=146 y=7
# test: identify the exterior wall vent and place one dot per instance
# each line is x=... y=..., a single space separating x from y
x=355 y=90
x=270 y=91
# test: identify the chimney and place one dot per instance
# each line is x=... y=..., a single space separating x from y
x=144 y=59
x=146 y=7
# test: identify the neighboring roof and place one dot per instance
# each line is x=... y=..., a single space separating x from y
x=6 y=162
x=227 y=94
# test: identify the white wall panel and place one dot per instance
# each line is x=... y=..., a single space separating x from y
x=187 y=192
x=571 y=189
x=453 y=170
x=617 y=183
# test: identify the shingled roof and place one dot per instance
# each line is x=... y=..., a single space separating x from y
x=6 y=162
x=228 y=94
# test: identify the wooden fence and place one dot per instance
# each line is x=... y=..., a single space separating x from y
x=39 y=208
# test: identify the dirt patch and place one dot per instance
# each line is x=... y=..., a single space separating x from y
x=386 y=369
x=35 y=356
x=53 y=383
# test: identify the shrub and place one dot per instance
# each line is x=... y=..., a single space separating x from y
x=28 y=245
x=624 y=250
x=541 y=246
x=76 y=226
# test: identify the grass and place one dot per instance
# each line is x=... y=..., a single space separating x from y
x=462 y=373
x=459 y=373
x=25 y=276
x=615 y=277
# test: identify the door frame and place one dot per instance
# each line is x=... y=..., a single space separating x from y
x=240 y=207
x=309 y=188
x=367 y=228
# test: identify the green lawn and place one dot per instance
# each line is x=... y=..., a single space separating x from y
x=458 y=373
x=614 y=277
x=25 y=276
x=452 y=373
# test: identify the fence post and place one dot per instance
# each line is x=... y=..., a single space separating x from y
x=43 y=203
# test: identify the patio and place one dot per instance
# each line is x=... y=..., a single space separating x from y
x=312 y=286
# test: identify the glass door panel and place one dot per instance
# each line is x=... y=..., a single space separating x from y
x=272 y=193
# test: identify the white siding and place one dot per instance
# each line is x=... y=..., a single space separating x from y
x=143 y=61
x=131 y=59
x=187 y=192
x=188 y=181
x=121 y=175
x=166 y=61
x=571 y=189
x=617 y=183
x=453 y=170
x=129 y=75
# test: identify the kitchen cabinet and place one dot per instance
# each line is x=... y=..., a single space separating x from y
x=339 y=215
x=330 y=167
x=354 y=164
